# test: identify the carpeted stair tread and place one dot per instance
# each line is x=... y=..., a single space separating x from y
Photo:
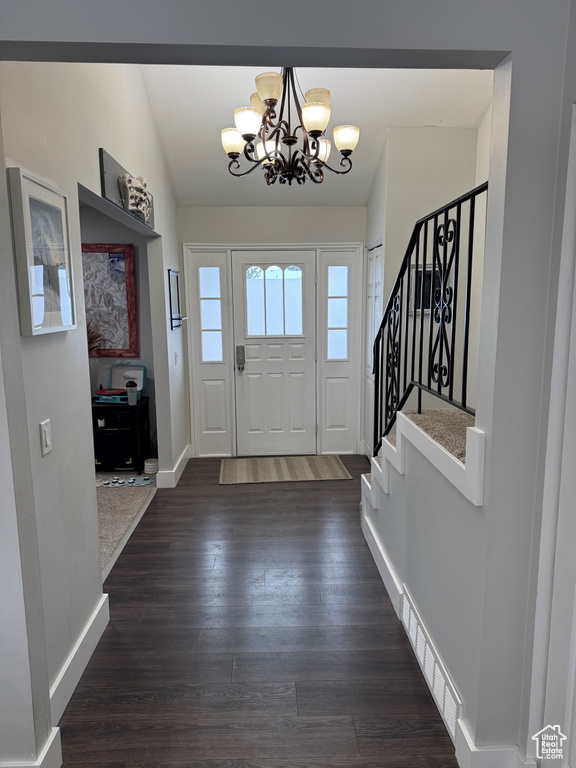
x=447 y=427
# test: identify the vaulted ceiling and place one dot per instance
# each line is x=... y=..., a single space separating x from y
x=192 y=104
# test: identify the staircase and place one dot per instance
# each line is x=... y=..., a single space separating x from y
x=424 y=340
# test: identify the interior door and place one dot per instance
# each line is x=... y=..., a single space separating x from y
x=274 y=299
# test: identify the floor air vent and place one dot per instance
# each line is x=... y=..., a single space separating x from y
x=442 y=689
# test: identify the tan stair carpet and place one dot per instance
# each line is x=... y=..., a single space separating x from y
x=445 y=426
x=282 y=469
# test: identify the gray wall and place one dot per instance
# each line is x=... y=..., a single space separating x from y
x=316 y=224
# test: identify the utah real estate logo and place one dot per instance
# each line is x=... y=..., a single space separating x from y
x=549 y=743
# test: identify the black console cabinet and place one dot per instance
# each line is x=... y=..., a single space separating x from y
x=121 y=435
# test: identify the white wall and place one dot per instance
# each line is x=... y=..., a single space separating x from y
x=25 y=719
x=426 y=168
x=17 y=705
x=54 y=118
x=271 y=225
x=482 y=172
x=377 y=206
x=483 y=147
x=421 y=169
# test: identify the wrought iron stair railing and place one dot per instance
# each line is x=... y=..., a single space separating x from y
x=424 y=340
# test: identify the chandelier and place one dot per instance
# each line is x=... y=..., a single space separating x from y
x=268 y=139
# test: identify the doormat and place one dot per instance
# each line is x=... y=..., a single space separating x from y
x=282 y=469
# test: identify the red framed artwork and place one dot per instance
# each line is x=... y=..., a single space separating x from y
x=110 y=298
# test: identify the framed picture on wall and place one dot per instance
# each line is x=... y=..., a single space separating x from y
x=420 y=299
x=43 y=264
x=174 y=296
x=110 y=299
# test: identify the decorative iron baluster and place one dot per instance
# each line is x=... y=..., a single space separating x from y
x=377 y=371
x=441 y=358
x=454 y=268
x=468 y=300
x=421 y=304
x=392 y=359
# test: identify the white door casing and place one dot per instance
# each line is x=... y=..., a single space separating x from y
x=211 y=380
x=374 y=286
x=337 y=393
x=340 y=314
x=275 y=323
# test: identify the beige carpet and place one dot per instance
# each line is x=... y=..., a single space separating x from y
x=119 y=511
x=445 y=426
x=282 y=469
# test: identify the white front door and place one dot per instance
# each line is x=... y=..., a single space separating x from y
x=274 y=301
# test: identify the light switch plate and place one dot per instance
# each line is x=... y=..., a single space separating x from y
x=45 y=437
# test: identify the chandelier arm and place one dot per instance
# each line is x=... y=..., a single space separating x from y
x=285 y=72
x=234 y=164
x=315 y=173
x=346 y=163
x=303 y=167
x=277 y=130
x=248 y=152
x=305 y=140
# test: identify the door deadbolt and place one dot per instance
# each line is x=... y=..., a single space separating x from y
x=240 y=358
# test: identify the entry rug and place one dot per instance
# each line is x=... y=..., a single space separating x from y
x=282 y=469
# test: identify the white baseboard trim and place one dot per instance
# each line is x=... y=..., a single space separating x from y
x=72 y=669
x=391 y=581
x=469 y=755
x=168 y=478
x=467 y=478
x=49 y=757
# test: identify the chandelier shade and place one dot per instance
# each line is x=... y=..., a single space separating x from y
x=346 y=137
x=247 y=121
x=265 y=150
x=232 y=141
x=315 y=117
x=324 y=150
x=257 y=103
x=269 y=86
x=285 y=137
x=321 y=95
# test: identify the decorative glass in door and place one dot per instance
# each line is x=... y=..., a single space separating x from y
x=274 y=300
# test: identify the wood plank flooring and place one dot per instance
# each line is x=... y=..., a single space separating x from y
x=250 y=629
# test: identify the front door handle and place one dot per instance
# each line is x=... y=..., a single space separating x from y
x=240 y=358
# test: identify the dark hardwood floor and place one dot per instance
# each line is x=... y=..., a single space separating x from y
x=250 y=629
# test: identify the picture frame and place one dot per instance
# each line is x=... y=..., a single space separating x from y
x=110 y=298
x=40 y=230
x=414 y=289
x=174 y=294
